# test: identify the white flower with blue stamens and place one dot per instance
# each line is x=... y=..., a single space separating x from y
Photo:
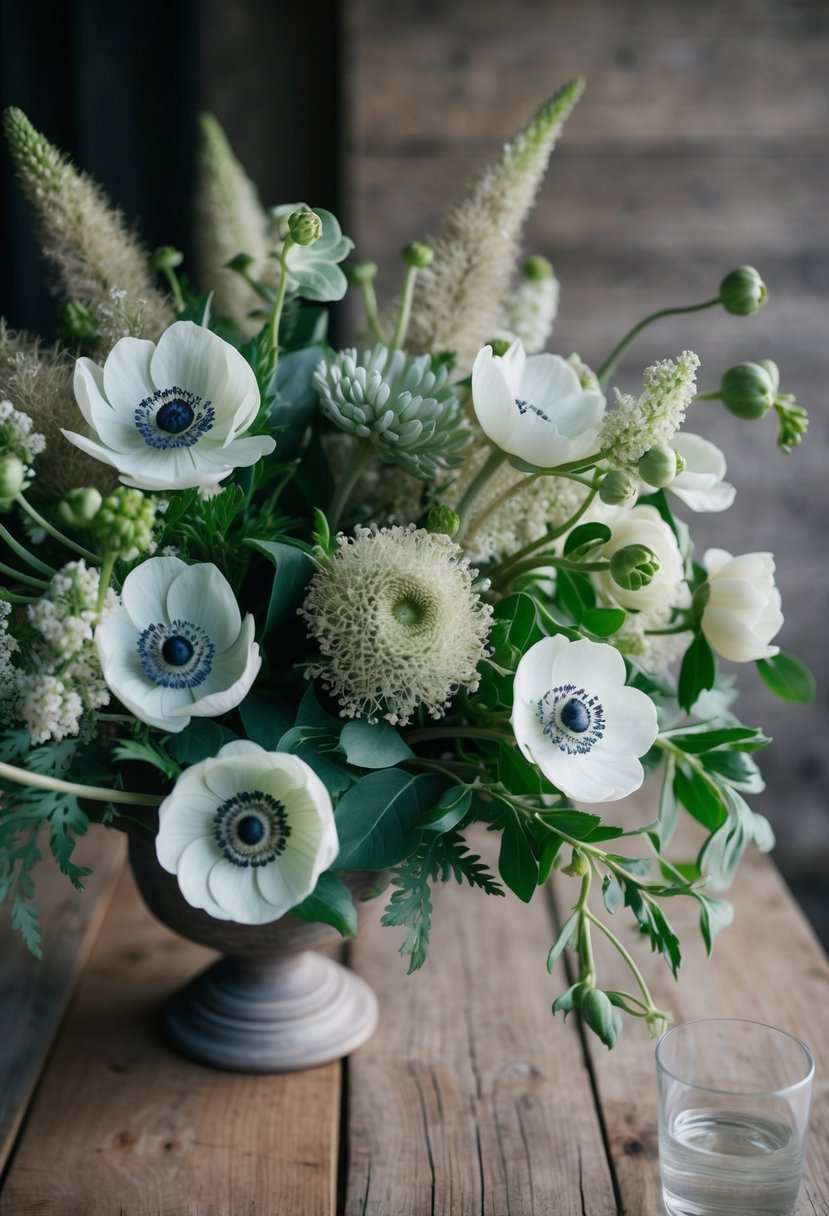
x=247 y=833
x=535 y=407
x=170 y=416
x=177 y=647
x=574 y=717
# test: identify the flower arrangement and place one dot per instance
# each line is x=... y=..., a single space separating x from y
x=326 y=609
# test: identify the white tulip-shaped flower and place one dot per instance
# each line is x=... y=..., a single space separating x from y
x=177 y=647
x=535 y=407
x=574 y=717
x=742 y=613
x=247 y=833
x=700 y=485
x=170 y=416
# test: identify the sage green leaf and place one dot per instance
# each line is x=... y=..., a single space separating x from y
x=373 y=745
x=788 y=678
x=567 y=931
x=376 y=818
x=292 y=575
x=330 y=903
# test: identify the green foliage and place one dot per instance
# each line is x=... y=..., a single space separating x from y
x=330 y=902
x=198 y=741
x=147 y=752
x=697 y=673
x=373 y=745
x=376 y=818
x=293 y=570
x=788 y=678
x=265 y=718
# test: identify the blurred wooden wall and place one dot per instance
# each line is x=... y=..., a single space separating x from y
x=700 y=144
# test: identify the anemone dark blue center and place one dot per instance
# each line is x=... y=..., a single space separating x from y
x=177 y=651
x=250 y=829
x=574 y=716
x=175 y=416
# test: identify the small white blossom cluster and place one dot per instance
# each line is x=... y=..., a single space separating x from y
x=634 y=427
x=67 y=680
x=530 y=312
x=9 y=696
x=398 y=622
x=17 y=436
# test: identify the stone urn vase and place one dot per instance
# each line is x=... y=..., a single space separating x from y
x=272 y=1003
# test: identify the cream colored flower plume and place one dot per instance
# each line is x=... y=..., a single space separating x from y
x=229 y=219
x=459 y=298
x=100 y=262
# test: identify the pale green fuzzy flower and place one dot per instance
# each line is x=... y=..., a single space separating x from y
x=407 y=411
x=124 y=523
x=458 y=299
x=94 y=252
x=530 y=312
x=398 y=623
x=636 y=426
x=228 y=220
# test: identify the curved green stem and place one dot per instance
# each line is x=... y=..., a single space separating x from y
x=588 y=972
x=492 y=463
x=103 y=582
x=276 y=313
x=402 y=326
x=708 y=397
x=25 y=555
x=542 y=560
x=20 y=577
x=427 y=733
x=95 y=793
x=372 y=312
x=347 y=481
x=55 y=533
x=627 y=956
x=503 y=498
x=620 y=348
x=495 y=572
x=11 y=598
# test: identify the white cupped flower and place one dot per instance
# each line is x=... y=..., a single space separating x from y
x=574 y=717
x=742 y=612
x=643 y=525
x=247 y=833
x=701 y=485
x=170 y=416
x=177 y=647
x=535 y=407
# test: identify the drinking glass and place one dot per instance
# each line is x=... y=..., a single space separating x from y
x=733 y=1118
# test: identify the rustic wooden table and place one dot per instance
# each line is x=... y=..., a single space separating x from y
x=469 y=1098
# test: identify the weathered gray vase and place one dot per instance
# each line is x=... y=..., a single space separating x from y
x=272 y=1004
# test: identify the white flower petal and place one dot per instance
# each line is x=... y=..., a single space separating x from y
x=202 y=592
x=214 y=704
x=184 y=821
x=193 y=871
x=127 y=379
x=189 y=356
x=145 y=590
x=235 y=890
x=88 y=387
x=96 y=450
x=492 y=399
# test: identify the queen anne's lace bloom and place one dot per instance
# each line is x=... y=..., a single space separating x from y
x=408 y=411
x=398 y=623
x=636 y=426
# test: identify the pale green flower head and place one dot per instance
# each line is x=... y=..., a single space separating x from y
x=407 y=410
x=398 y=623
x=313 y=270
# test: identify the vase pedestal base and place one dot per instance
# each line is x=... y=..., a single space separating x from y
x=271 y=1015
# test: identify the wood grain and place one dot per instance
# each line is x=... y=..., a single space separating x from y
x=767 y=967
x=34 y=994
x=122 y=1125
x=470 y=1099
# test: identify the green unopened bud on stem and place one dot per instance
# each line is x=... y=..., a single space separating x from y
x=166 y=258
x=617 y=487
x=537 y=269
x=743 y=291
x=304 y=226
x=12 y=479
x=360 y=272
x=660 y=465
x=79 y=507
x=579 y=865
x=77 y=324
x=443 y=519
x=749 y=390
x=633 y=567
x=124 y=523
x=418 y=255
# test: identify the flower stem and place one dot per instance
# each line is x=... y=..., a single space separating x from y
x=402 y=326
x=347 y=481
x=620 y=348
x=103 y=582
x=175 y=289
x=493 y=462
x=428 y=733
x=25 y=555
x=500 y=568
x=708 y=397
x=21 y=577
x=627 y=956
x=541 y=560
x=95 y=793
x=372 y=313
x=276 y=314
x=53 y=531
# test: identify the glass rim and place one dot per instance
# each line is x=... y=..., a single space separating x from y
x=779 y=1091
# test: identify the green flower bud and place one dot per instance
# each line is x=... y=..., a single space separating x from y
x=79 y=507
x=76 y=323
x=304 y=226
x=617 y=487
x=743 y=291
x=361 y=273
x=749 y=389
x=417 y=255
x=579 y=865
x=537 y=269
x=166 y=258
x=443 y=519
x=660 y=465
x=12 y=478
x=633 y=567
x=124 y=523
x=794 y=422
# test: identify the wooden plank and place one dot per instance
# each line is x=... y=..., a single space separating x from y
x=34 y=994
x=768 y=967
x=470 y=1098
x=122 y=1125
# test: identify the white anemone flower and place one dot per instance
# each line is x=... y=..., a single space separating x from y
x=177 y=646
x=742 y=613
x=535 y=407
x=247 y=833
x=170 y=417
x=574 y=717
x=701 y=485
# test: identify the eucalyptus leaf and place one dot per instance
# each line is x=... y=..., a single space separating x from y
x=373 y=745
x=376 y=817
x=330 y=903
x=292 y=575
x=200 y=740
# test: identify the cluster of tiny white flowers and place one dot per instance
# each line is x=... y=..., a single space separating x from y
x=9 y=686
x=530 y=313
x=67 y=680
x=655 y=651
x=17 y=437
x=634 y=427
x=398 y=623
